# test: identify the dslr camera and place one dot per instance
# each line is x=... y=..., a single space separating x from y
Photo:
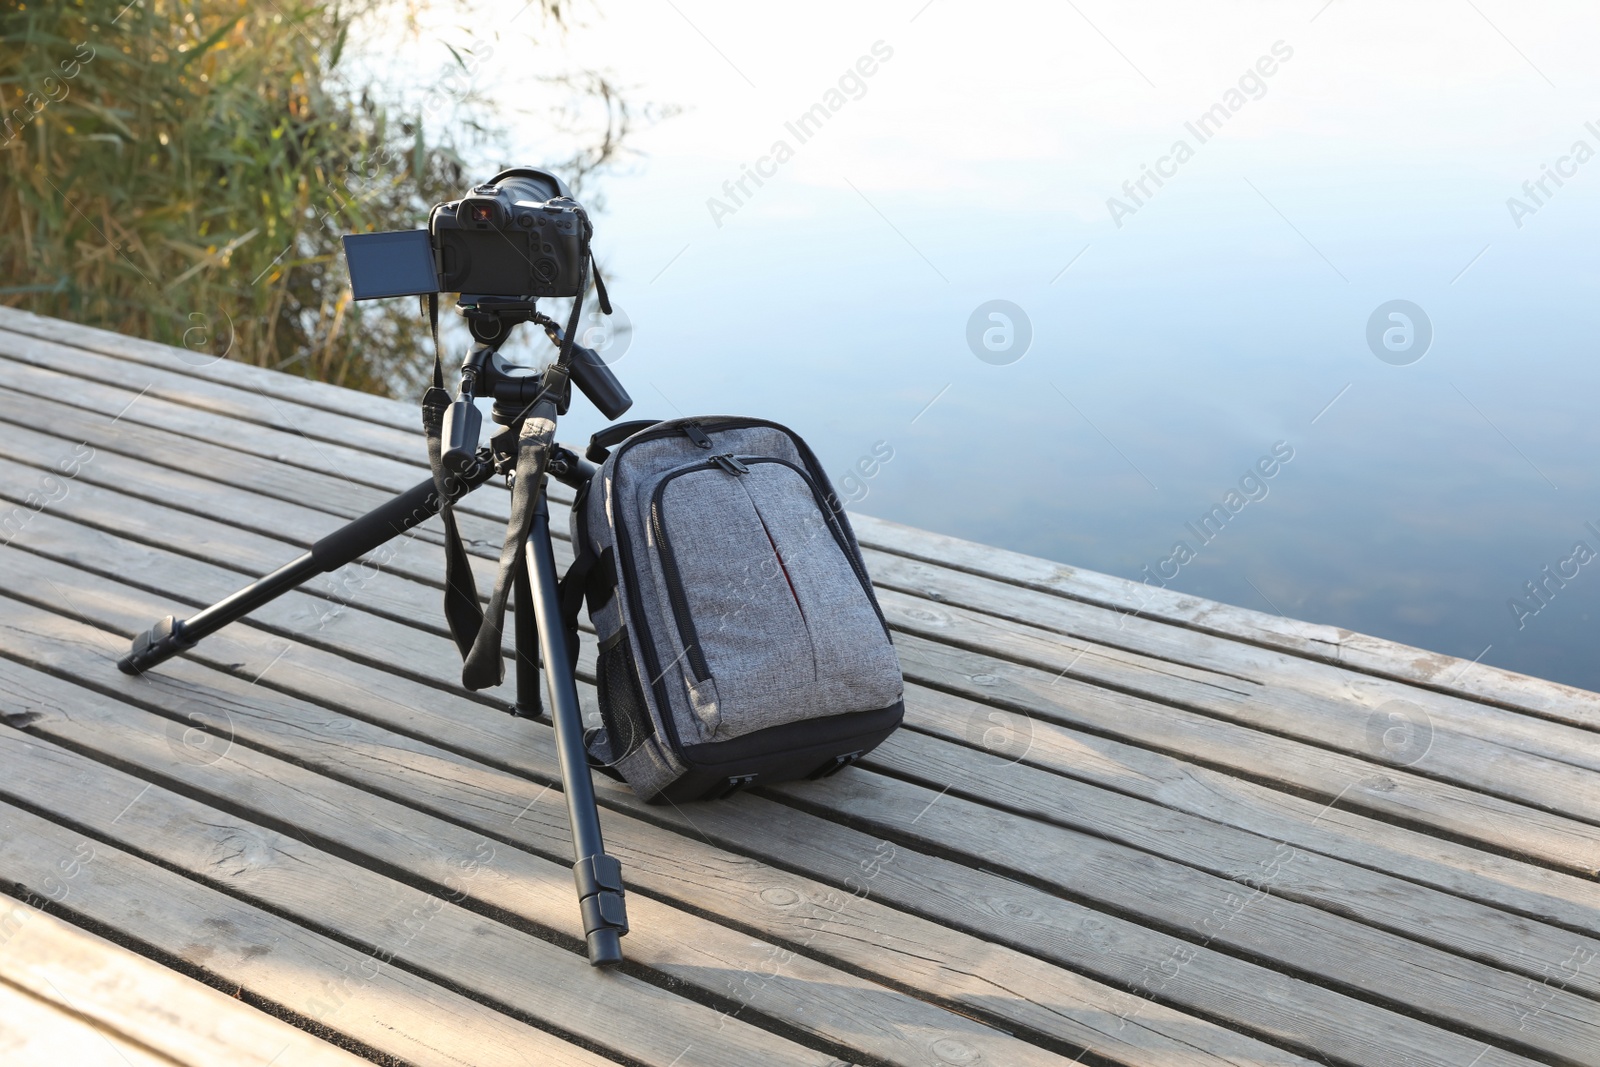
x=520 y=234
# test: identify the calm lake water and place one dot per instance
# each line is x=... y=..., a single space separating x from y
x=1335 y=158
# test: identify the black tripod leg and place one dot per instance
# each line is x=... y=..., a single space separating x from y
x=598 y=875
x=527 y=705
x=411 y=508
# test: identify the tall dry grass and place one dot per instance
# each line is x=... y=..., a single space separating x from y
x=182 y=169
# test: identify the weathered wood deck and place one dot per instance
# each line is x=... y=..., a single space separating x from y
x=1152 y=832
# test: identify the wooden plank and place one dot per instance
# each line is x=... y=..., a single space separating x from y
x=978 y=731
x=1395 y=913
x=977 y=979
x=142 y=1002
x=1302 y=1015
x=937 y=583
x=336 y=499
x=380 y=588
x=37 y=1033
x=1318 y=641
x=473 y=953
x=1286 y=692
x=438 y=664
x=1472 y=759
x=333 y=498
x=1376 y=789
x=83 y=563
x=268 y=532
x=1528 y=890
x=232 y=944
x=392 y=472
x=691 y=953
x=1505 y=941
x=1447 y=749
x=1322 y=704
x=422 y=651
x=1458 y=752
x=287 y=387
x=1512 y=828
x=175 y=382
x=421 y=929
x=1329 y=644
x=1464 y=995
x=1557 y=747
x=1424 y=909
x=1279 y=1007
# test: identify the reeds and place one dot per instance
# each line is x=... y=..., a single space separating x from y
x=182 y=171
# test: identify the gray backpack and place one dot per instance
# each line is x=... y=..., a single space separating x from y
x=740 y=641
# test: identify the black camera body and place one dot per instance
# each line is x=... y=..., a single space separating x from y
x=519 y=234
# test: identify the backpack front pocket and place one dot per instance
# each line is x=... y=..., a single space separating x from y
x=772 y=616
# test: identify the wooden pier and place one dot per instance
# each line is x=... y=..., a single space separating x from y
x=1121 y=826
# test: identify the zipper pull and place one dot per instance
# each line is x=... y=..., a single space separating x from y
x=696 y=434
x=728 y=463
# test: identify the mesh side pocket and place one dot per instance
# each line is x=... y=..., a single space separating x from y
x=622 y=707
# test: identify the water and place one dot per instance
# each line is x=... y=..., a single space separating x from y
x=1226 y=316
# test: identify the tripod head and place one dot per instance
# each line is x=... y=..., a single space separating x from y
x=491 y=319
x=515 y=390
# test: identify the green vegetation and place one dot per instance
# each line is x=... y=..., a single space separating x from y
x=181 y=170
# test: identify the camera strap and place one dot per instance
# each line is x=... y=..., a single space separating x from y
x=599 y=285
x=461 y=610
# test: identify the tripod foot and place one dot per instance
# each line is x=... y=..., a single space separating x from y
x=520 y=710
x=605 y=915
x=161 y=642
x=605 y=948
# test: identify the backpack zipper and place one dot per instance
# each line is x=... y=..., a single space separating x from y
x=696 y=433
x=680 y=600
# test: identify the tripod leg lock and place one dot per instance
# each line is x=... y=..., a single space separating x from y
x=161 y=642
x=600 y=896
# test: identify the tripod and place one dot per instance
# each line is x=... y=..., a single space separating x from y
x=526 y=405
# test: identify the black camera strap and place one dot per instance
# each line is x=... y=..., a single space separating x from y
x=599 y=286
x=461 y=610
